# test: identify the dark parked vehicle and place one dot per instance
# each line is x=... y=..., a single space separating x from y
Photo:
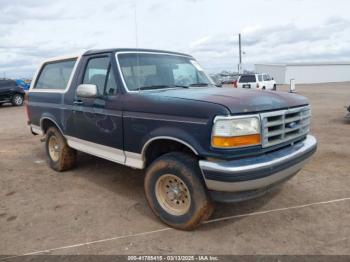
x=158 y=111
x=11 y=93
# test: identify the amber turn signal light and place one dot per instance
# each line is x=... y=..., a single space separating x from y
x=237 y=141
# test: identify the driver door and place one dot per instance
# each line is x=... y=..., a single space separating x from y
x=98 y=121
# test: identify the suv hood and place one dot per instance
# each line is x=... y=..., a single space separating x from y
x=238 y=100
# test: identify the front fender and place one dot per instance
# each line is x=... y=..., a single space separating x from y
x=139 y=132
x=175 y=134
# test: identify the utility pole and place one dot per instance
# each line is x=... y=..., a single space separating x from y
x=240 y=54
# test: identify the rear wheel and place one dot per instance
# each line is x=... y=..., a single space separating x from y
x=175 y=191
x=17 y=100
x=274 y=87
x=60 y=156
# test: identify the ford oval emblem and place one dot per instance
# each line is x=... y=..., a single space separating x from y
x=292 y=124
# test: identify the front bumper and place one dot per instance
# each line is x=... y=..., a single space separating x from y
x=257 y=174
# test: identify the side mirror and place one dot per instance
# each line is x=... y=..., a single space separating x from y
x=87 y=91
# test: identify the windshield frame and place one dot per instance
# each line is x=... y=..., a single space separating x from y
x=154 y=53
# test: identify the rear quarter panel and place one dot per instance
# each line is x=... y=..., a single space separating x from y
x=50 y=104
x=43 y=105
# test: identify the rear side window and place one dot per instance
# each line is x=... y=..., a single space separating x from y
x=55 y=75
x=247 y=79
x=260 y=78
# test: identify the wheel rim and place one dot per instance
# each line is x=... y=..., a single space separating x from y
x=54 y=149
x=18 y=100
x=173 y=195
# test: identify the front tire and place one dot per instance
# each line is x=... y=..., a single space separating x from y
x=60 y=156
x=274 y=87
x=17 y=100
x=175 y=191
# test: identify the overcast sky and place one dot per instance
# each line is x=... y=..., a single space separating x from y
x=272 y=30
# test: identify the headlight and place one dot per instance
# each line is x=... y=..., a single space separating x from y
x=229 y=132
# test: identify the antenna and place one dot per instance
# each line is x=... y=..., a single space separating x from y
x=135 y=23
x=137 y=46
x=240 y=53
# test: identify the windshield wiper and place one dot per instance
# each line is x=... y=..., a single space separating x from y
x=160 y=87
x=181 y=86
x=152 y=87
x=199 y=84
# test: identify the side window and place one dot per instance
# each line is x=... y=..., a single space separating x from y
x=55 y=75
x=260 y=78
x=7 y=84
x=111 y=88
x=96 y=72
x=266 y=78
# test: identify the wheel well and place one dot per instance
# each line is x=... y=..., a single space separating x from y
x=46 y=123
x=162 y=146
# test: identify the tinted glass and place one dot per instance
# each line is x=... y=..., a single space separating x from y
x=266 y=78
x=111 y=88
x=149 y=70
x=55 y=75
x=260 y=78
x=96 y=72
x=247 y=79
x=7 y=83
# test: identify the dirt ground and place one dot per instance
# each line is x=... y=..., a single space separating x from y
x=99 y=207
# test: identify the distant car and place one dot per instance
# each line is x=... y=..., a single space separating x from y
x=10 y=92
x=229 y=80
x=259 y=81
x=23 y=84
x=348 y=115
x=216 y=80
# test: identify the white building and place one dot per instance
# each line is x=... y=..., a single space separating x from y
x=306 y=73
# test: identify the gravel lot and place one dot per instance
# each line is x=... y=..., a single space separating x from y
x=65 y=213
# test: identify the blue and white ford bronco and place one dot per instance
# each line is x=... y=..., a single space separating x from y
x=159 y=111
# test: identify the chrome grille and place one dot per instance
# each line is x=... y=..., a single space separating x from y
x=285 y=125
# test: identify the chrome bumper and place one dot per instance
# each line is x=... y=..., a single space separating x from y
x=257 y=172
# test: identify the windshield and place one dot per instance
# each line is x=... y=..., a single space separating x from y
x=143 y=71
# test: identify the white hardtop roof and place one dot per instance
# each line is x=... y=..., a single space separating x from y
x=63 y=57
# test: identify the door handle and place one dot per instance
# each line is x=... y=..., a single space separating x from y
x=78 y=102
